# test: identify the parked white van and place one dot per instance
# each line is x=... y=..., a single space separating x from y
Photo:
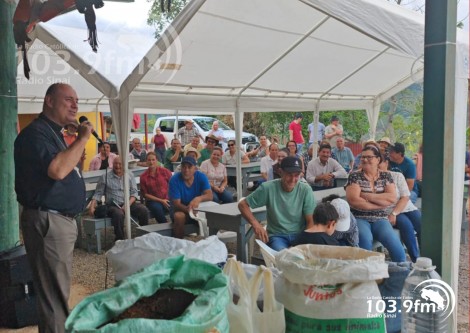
x=203 y=125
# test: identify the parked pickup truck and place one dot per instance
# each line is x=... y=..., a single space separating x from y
x=204 y=125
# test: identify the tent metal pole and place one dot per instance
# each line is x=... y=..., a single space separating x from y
x=238 y=137
x=443 y=144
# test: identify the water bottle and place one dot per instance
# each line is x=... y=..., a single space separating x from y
x=426 y=301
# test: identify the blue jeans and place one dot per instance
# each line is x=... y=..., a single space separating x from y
x=158 y=211
x=279 y=242
x=408 y=223
x=299 y=148
x=413 y=196
x=382 y=231
x=224 y=197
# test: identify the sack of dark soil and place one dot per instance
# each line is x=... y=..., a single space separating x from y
x=207 y=313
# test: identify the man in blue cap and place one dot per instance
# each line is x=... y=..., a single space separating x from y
x=188 y=189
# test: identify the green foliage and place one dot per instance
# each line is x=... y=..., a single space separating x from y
x=407 y=121
x=160 y=20
x=355 y=123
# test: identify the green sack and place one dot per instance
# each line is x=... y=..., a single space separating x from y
x=207 y=313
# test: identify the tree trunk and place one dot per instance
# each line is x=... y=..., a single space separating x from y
x=9 y=230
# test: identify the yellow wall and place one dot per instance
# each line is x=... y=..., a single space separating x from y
x=92 y=145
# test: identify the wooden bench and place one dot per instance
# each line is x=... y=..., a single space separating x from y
x=92 y=228
x=166 y=229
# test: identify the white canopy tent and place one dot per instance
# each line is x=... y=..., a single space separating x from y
x=239 y=56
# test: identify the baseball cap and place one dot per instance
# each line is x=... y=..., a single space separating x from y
x=334 y=118
x=291 y=164
x=385 y=139
x=189 y=160
x=398 y=148
x=342 y=207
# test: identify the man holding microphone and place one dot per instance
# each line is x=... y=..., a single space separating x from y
x=51 y=190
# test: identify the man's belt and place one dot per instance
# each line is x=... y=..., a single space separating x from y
x=53 y=211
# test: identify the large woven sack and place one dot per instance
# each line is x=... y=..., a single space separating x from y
x=330 y=288
x=207 y=313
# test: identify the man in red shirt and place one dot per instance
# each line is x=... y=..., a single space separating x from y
x=295 y=132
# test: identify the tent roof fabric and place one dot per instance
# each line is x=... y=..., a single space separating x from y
x=251 y=56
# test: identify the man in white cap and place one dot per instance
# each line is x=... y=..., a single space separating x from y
x=346 y=232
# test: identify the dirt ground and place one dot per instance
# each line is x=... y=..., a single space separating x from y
x=89 y=276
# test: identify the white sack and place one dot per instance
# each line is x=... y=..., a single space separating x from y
x=128 y=256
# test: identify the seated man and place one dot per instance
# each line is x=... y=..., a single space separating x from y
x=188 y=189
x=289 y=205
x=324 y=221
x=138 y=153
x=111 y=186
x=401 y=163
x=195 y=143
x=173 y=154
x=322 y=171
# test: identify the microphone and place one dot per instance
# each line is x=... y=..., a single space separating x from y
x=81 y=120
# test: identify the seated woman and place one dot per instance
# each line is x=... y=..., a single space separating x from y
x=104 y=159
x=371 y=192
x=292 y=148
x=405 y=216
x=229 y=159
x=154 y=188
x=217 y=175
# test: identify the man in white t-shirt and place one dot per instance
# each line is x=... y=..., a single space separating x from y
x=268 y=161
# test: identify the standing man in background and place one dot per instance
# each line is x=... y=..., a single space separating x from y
x=333 y=131
x=52 y=192
x=320 y=133
x=295 y=132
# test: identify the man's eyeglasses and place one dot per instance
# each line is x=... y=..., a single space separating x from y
x=367 y=157
x=231 y=144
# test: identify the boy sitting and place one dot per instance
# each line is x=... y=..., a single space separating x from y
x=324 y=221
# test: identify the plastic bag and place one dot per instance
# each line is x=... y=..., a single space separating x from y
x=207 y=313
x=331 y=288
x=245 y=316
x=129 y=256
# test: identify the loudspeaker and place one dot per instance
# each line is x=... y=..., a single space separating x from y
x=18 y=306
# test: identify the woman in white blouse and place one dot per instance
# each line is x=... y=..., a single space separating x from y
x=217 y=175
x=405 y=216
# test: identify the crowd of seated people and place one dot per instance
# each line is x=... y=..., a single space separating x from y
x=378 y=193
